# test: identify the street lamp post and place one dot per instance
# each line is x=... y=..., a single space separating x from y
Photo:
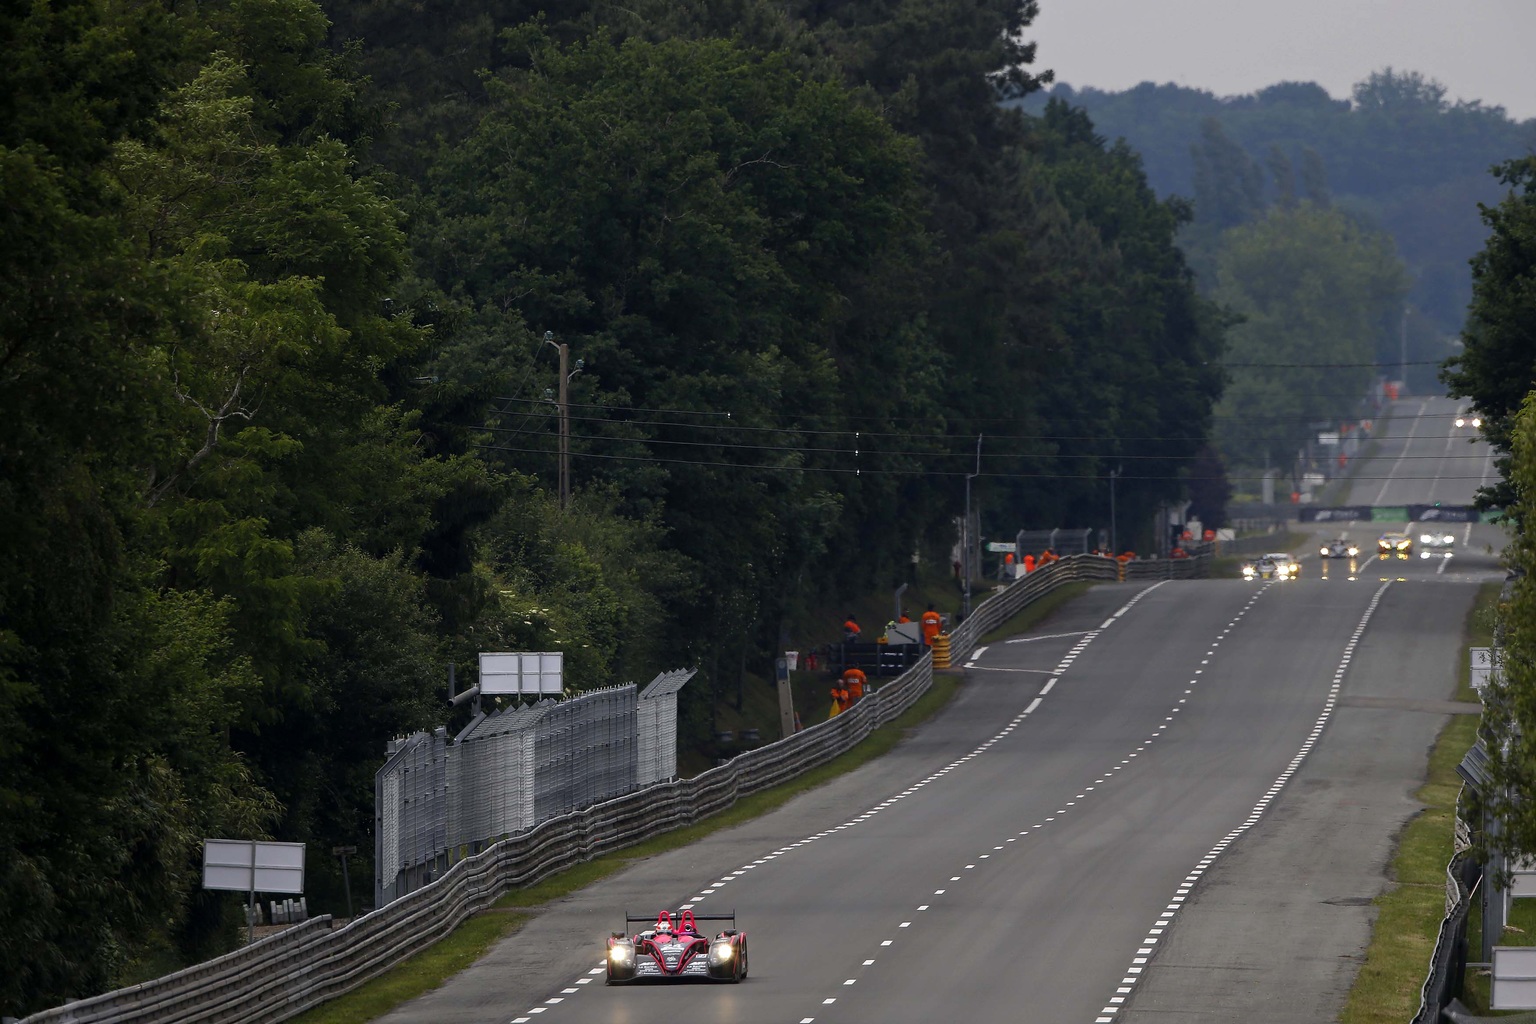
x=965 y=533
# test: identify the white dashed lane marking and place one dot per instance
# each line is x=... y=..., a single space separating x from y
x=1085 y=638
x=1148 y=946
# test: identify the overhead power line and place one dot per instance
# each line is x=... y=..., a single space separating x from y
x=955 y=437
x=1330 y=366
x=902 y=471
x=865 y=452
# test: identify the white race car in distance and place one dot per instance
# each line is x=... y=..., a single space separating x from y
x=1339 y=548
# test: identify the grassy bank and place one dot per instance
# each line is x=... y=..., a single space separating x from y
x=1409 y=914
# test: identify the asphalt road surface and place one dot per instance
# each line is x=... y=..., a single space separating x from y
x=1173 y=801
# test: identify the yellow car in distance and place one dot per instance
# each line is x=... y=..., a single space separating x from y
x=1399 y=544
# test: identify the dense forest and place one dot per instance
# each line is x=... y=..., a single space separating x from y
x=283 y=289
x=282 y=292
x=1397 y=156
x=1336 y=233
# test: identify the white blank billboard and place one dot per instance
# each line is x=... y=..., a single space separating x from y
x=539 y=675
x=1514 y=978
x=245 y=865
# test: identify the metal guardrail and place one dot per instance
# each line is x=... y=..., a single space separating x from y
x=1448 y=963
x=286 y=974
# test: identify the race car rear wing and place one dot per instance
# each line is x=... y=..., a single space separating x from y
x=676 y=916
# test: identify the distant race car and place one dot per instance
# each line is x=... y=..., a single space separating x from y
x=1339 y=548
x=1260 y=568
x=673 y=947
x=1394 y=544
x=1435 y=542
x=1276 y=565
x=1286 y=567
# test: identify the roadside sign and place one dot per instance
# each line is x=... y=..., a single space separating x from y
x=252 y=866
x=782 y=668
x=1000 y=546
x=1483 y=661
x=1514 y=978
x=532 y=674
x=249 y=865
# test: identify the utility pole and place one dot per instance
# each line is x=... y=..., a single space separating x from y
x=965 y=533
x=1402 y=355
x=1114 y=541
x=564 y=403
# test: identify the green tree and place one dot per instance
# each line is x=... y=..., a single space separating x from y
x=114 y=694
x=1228 y=192
x=1316 y=290
x=1497 y=364
x=701 y=224
x=1141 y=341
x=1399 y=93
x=1399 y=154
x=1508 y=728
x=194 y=358
x=1229 y=184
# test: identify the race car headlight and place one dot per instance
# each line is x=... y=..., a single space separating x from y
x=720 y=952
x=1322 y=551
x=1353 y=552
x=621 y=954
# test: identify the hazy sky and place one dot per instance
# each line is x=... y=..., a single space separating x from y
x=1479 y=49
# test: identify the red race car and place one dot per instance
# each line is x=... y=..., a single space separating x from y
x=673 y=947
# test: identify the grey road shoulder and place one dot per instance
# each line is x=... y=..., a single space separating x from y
x=1278 y=928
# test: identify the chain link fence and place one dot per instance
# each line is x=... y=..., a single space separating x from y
x=437 y=801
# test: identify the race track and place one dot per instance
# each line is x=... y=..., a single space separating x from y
x=1173 y=801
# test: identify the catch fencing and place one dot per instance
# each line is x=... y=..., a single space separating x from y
x=436 y=801
x=284 y=975
x=657 y=756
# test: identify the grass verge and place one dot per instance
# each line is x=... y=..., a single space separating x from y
x=1409 y=914
x=1037 y=611
x=421 y=973
x=437 y=963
